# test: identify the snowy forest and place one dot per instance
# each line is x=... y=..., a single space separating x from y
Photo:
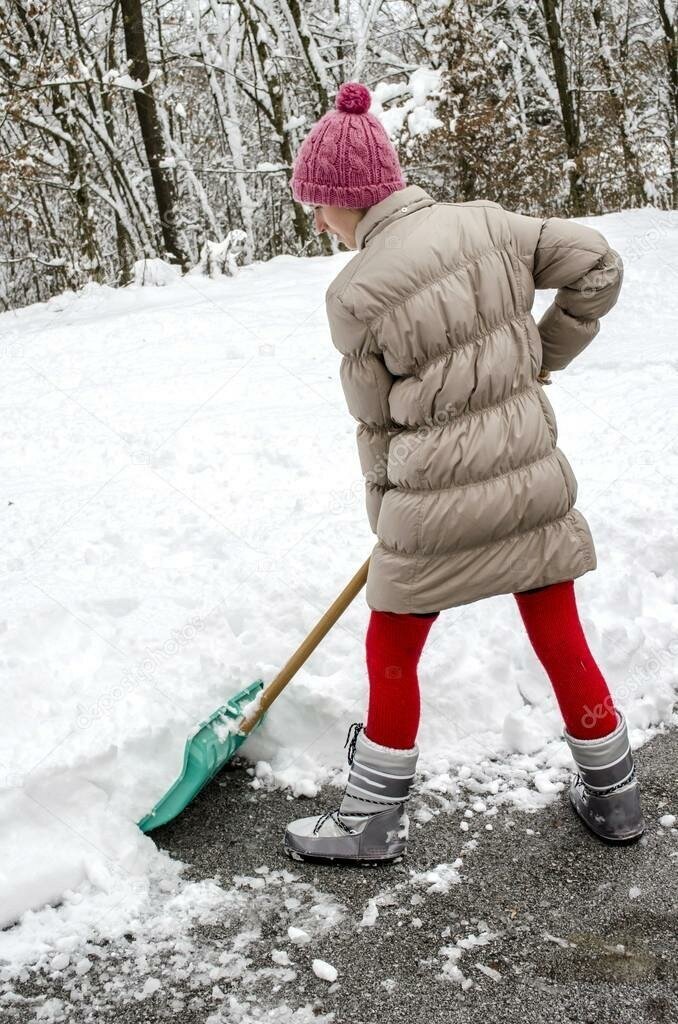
x=167 y=128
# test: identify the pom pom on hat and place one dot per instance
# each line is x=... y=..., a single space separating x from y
x=353 y=98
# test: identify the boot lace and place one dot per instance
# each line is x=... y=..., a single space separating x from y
x=351 y=740
x=334 y=815
x=610 y=789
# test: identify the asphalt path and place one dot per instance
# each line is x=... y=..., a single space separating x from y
x=539 y=921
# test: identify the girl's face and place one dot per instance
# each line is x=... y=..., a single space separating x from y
x=340 y=221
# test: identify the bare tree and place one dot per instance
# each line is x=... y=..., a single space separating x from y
x=159 y=159
x=669 y=28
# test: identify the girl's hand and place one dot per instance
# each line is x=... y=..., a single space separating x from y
x=544 y=377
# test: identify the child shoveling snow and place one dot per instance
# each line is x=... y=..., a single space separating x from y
x=444 y=367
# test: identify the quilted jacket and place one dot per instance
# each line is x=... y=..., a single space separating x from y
x=467 y=490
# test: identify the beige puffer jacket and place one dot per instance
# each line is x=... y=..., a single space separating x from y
x=466 y=488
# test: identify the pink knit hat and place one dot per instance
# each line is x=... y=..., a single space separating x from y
x=347 y=159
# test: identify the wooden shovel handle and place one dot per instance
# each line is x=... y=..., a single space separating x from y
x=305 y=649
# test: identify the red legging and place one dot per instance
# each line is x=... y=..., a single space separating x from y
x=394 y=644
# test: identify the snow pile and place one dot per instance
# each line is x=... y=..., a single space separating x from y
x=184 y=501
x=158 y=952
x=155 y=272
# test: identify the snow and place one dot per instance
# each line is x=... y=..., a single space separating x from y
x=151 y=985
x=269 y=165
x=370 y=914
x=155 y=272
x=126 y=82
x=417 y=109
x=454 y=952
x=489 y=971
x=323 y=970
x=440 y=878
x=175 y=527
x=305 y=787
x=565 y=943
x=667 y=820
x=298 y=936
x=545 y=782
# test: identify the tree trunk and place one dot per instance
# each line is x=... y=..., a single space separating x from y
x=567 y=110
x=277 y=115
x=670 y=41
x=612 y=72
x=151 y=132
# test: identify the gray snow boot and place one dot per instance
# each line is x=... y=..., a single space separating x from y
x=371 y=823
x=606 y=794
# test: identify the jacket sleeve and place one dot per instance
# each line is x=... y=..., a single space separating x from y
x=366 y=382
x=588 y=273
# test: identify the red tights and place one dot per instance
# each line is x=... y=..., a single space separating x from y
x=394 y=644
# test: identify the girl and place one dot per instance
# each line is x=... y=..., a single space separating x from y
x=443 y=367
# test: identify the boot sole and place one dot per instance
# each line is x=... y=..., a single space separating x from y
x=358 y=861
x=609 y=840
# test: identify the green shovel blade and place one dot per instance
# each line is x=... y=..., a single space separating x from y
x=207 y=751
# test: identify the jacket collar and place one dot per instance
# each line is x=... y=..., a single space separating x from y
x=397 y=204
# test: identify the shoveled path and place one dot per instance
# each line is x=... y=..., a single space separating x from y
x=564 y=927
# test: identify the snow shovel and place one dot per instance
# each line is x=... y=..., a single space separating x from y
x=216 y=740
